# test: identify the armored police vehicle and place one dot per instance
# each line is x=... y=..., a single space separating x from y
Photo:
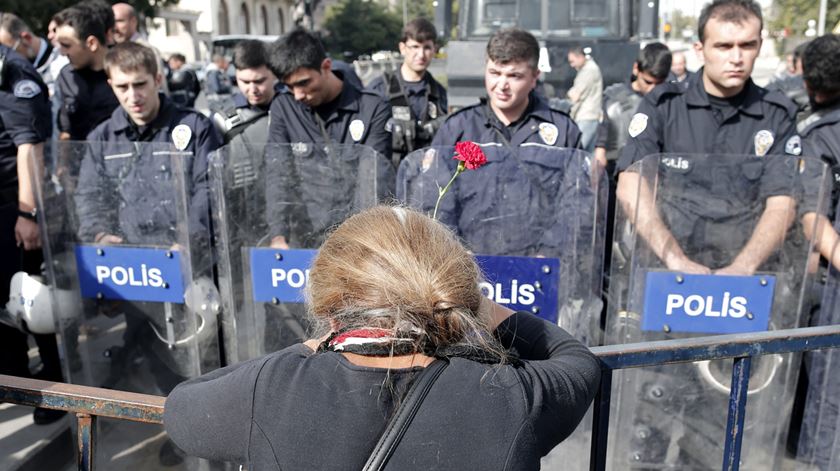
x=612 y=29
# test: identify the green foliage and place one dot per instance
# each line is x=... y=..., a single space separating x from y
x=37 y=13
x=681 y=21
x=794 y=15
x=355 y=27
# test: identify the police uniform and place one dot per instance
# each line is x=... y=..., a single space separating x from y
x=418 y=109
x=793 y=87
x=24 y=119
x=355 y=117
x=183 y=87
x=820 y=138
x=128 y=190
x=711 y=206
x=620 y=103
x=539 y=123
x=87 y=100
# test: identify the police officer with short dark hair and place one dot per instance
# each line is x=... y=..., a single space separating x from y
x=720 y=112
x=621 y=100
x=248 y=121
x=321 y=107
x=418 y=102
x=83 y=32
x=820 y=138
x=184 y=86
x=511 y=113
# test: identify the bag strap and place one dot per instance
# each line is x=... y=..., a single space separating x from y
x=399 y=423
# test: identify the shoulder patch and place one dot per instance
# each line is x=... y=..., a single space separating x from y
x=638 y=124
x=26 y=89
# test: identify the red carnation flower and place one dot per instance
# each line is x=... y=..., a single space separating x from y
x=471 y=154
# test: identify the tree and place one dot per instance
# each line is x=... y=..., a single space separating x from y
x=355 y=27
x=792 y=15
x=37 y=14
x=681 y=21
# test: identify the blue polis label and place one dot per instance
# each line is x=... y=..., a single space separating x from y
x=709 y=304
x=521 y=283
x=130 y=273
x=280 y=275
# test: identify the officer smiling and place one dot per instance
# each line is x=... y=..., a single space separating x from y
x=720 y=112
x=512 y=113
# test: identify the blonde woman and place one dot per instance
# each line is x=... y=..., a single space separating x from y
x=392 y=290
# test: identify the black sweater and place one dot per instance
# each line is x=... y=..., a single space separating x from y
x=295 y=410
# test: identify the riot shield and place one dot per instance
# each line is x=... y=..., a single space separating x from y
x=818 y=444
x=273 y=205
x=706 y=244
x=125 y=230
x=534 y=217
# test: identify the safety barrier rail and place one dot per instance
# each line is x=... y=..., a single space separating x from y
x=88 y=403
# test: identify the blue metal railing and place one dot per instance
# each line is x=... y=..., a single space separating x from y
x=89 y=403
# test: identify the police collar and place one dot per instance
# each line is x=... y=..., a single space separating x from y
x=695 y=95
x=348 y=99
x=536 y=107
x=122 y=122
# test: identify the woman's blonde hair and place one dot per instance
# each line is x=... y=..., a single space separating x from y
x=395 y=268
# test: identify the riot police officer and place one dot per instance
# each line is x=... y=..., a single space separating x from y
x=820 y=138
x=319 y=106
x=184 y=86
x=25 y=107
x=621 y=100
x=511 y=113
x=715 y=225
x=721 y=112
x=248 y=122
x=87 y=100
x=793 y=86
x=418 y=102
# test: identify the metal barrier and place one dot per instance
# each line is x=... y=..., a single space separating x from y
x=88 y=403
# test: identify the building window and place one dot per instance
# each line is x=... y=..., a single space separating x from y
x=264 y=19
x=244 y=20
x=224 y=24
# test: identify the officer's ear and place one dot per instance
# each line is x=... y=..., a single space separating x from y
x=326 y=66
x=92 y=43
x=698 y=50
x=635 y=69
x=158 y=80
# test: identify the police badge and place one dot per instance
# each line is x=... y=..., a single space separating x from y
x=357 y=129
x=300 y=149
x=433 y=114
x=548 y=133
x=638 y=124
x=428 y=159
x=181 y=136
x=763 y=142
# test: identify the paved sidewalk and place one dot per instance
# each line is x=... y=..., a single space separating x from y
x=25 y=446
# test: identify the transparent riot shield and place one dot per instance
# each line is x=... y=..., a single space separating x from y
x=126 y=238
x=818 y=444
x=706 y=244
x=534 y=217
x=273 y=206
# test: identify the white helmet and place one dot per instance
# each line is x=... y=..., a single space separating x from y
x=30 y=306
x=202 y=299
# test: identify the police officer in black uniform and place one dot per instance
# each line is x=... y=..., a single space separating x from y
x=24 y=127
x=184 y=86
x=83 y=32
x=418 y=102
x=621 y=100
x=793 y=86
x=318 y=110
x=820 y=138
x=721 y=111
x=247 y=123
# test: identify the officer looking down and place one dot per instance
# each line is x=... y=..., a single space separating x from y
x=248 y=122
x=721 y=112
x=621 y=100
x=512 y=113
x=87 y=100
x=319 y=107
x=418 y=101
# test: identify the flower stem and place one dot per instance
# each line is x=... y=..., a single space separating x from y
x=443 y=191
